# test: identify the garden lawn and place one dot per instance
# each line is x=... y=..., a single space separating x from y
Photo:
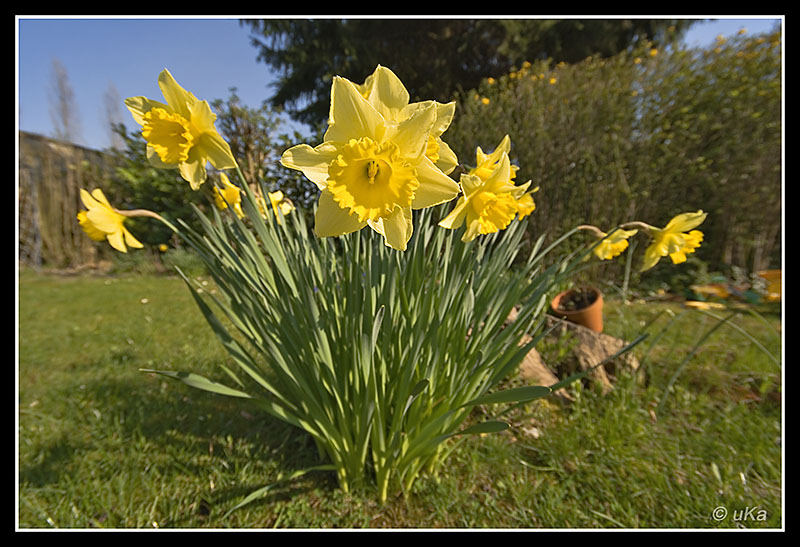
x=101 y=444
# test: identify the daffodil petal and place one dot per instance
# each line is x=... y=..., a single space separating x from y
x=202 y=116
x=447 y=158
x=130 y=240
x=155 y=160
x=87 y=199
x=213 y=147
x=176 y=96
x=456 y=217
x=115 y=239
x=396 y=228
x=685 y=222
x=388 y=95
x=651 y=257
x=351 y=116
x=500 y=179
x=411 y=135
x=434 y=186
x=139 y=106
x=193 y=171
x=444 y=117
x=104 y=219
x=472 y=231
x=332 y=220
x=313 y=162
x=470 y=184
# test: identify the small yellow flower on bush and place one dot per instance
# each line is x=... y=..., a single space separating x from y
x=229 y=194
x=372 y=166
x=102 y=222
x=180 y=134
x=675 y=240
x=613 y=245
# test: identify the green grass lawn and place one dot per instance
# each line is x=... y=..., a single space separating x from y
x=101 y=444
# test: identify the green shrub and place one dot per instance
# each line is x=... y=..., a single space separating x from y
x=646 y=135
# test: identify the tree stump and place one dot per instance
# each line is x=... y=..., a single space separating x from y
x=589 y=349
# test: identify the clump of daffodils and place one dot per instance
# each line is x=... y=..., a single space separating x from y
x=380 y=408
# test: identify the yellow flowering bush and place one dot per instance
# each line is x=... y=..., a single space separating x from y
x=378 y=347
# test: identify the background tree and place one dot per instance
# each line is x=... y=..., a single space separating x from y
x=112 y=114
x=434 y=57
x=63 y=108
x=257 y=144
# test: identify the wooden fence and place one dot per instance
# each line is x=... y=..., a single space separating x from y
x=51 y=174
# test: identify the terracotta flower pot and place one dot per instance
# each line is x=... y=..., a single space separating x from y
x=583 y=306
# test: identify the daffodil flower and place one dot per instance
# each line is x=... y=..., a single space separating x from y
x=384 y=91
x=487 y=205
x=486 y=165
x=102 y=222
x=675 y=240
x=613 y=245
x=278 y=202
x=180 y=133
x=373 y=170
x=229 y=194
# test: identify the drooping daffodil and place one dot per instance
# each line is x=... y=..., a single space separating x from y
x=384 y=91
x=180 y=133
x=372 y=168
x=228 y=195
x=102 y=222
x=676 y=239
x=487 y=205
x=613 y=245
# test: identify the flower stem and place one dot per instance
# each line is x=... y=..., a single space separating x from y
x=638 y=224
x=589 y=228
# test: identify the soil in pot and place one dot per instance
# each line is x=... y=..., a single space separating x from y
x=577 y=299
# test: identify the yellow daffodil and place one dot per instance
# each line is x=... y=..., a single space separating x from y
x=371 y=168
x=229 y=194
x=102 y=222
x=525 y=204
x=676 y=239
x=386 y=93
x=180 y=134
x=613 y=245
x=487 y=205
x=278 y=202
x=486 y=164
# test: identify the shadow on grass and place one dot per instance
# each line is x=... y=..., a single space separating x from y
x=108 y=423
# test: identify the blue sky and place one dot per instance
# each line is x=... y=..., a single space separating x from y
x=206 y=56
